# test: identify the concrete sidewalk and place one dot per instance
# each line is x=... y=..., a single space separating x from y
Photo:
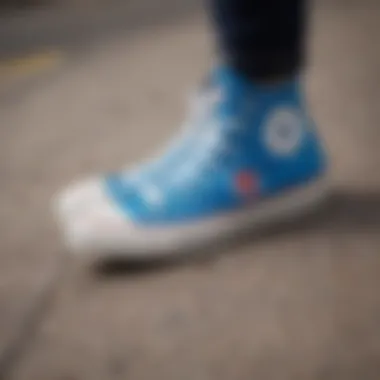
x=89 y=23
x=298 y=303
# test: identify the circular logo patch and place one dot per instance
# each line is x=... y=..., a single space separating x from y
x=283 y=131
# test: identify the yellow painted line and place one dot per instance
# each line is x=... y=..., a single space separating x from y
x=30 y=65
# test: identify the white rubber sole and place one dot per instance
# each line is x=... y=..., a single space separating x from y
x=92 y=225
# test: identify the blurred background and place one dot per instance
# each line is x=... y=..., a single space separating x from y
x=88 y=85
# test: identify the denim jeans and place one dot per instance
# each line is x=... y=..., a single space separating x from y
x=263 y=38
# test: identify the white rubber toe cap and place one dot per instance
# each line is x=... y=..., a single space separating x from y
x=89 y=220
x=78 y=198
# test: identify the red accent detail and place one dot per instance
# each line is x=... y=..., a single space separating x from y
x=246 y=183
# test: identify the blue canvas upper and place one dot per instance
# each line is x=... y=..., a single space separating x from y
x=241 y=143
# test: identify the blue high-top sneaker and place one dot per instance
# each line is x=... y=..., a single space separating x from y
x=248 y=155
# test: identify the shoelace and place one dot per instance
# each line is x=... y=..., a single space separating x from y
x=204 y=131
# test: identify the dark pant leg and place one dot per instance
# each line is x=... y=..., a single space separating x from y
x=263 y=38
